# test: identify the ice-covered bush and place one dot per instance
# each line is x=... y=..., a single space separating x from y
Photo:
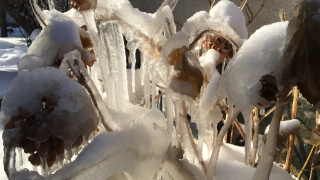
x=74 y=78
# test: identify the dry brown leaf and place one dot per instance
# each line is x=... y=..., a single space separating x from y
x=186 y=74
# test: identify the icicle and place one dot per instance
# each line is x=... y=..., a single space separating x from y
x=147 y=85
x=85 y=141
x=34 y=168
x=59 y=160
x=20 y=156
x=67 y=153
x=91 y=137
x=153 y=87
x=169 y=111
x=101 y=54
x=10 y=140
x=201 y=130
x=132 y=46
x=44 y=164
x=177 y=113
x=113 y=39
x=142 y=67
x=51 y=5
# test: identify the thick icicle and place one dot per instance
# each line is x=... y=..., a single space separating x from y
x=169 y=111
x=201 y=129
x=132 y=47
x=101 y=55
x=44 y=165
x=113 y=39
x=10 y=139
x=147 y=85
x=20 y=156
x=177 y=119
x=153 y=86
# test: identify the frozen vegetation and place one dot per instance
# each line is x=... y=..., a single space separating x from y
x=76 y=112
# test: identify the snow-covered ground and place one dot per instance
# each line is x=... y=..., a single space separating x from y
x=11 y=50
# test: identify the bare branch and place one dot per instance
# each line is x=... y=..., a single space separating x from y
x=253 y=17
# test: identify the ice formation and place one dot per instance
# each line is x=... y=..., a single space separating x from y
x=118 y=151
x=178 y=75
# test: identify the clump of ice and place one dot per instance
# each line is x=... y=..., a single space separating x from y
x=73 y=113
x=231 y=14
x=60 y=36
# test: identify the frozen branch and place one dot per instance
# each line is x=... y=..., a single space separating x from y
x=38 y=13
x=86 y=81
x=269 y=151
x=187 y=140
x=216 y=149
x=255 y=137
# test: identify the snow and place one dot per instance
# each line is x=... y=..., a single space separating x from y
x=60 y=36
x=259 y=55
x=35 y=33
x=286 y=127
x=11 y=50
x=50 y=83
x=232 y=14
x=231 y=166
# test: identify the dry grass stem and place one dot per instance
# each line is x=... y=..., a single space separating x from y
x=294 y=112
x=306 y=162
x=314 y=159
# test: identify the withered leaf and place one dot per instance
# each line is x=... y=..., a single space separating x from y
x=83 y=5
x=301 y=54
x=188 y=77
